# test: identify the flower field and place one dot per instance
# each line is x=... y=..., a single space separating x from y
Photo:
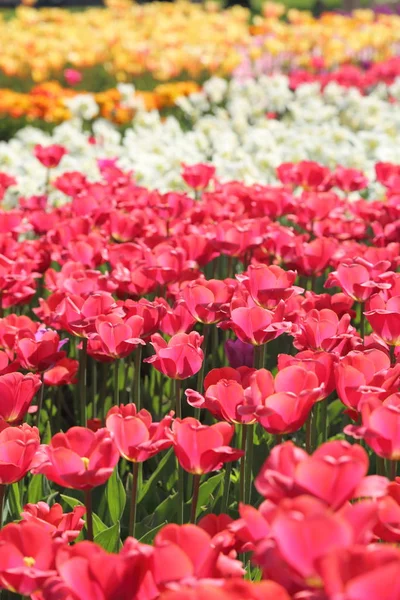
x=199 y=304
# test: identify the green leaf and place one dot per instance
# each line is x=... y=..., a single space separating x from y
x=109 y=538
x=35 y=489
x=98 y=525
x=116 y=496
x=14 y=499
x=206 y=492
x=153 y=478
x=148 y=537
x=165 y=512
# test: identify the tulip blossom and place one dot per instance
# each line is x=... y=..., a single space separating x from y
x=380 y=426
x=180 y=358
x=224 y=394
x=72 y=76
x=201 y=448
x=321 y=363
x=114 y=337
x=323 y=330
x=49 y=156
x=282 y=405
x=54 y=520
x=360 y=279
x=331 y=474
x=269 y=285
x=208 y=300
x=79 y=459
x=40 y=351
x=86 y=571
x=63 y=372
x=27 y=557
x=360 y=374
x=255 y=325
x=135 y=435
x=187 y=552
x=239 y=354
x=18 y=446
x=228 y=589
x=198 y=176
x=384 y=319
x=17 y=392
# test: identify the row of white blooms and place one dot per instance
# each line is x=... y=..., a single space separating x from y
x=226 y=124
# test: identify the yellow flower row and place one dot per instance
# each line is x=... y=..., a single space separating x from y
x=169 y=39
x=47 y=101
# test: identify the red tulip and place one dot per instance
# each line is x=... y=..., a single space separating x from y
x=360 y=279
x=332 y=474
x=307 y=173
x=177 y=320
x=40 y=351
x=188 y=552
x=385 y=320
x=255 y=325
x=228 y=589
x=361 y=573
x=54 y=520
x=296 y=530
x=320 y=363
x=360 y=374
x=72 y=76
x=49 y=156
x=282 y=406
x=180 y=358
x=380 y=426
x=201 y=448
x=17 y=392
x=27 y=557
x=208 y=300
x=322 y=330
x=151 y=313
x=135 y=435
x=18 y=446
x=63 y=373
x=349 y=180
x=85 y=571
x=114 y=337
x=276 y=477
x=79 y=459
x=198 y=176
x=269 y=285
x=224 y=394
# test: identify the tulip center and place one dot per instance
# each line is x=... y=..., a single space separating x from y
x=29 y=561
x=85 y=461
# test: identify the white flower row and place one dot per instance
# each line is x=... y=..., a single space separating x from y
x=228 y=127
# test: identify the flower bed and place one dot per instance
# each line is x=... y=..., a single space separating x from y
x=182 y=375
x=200 y=310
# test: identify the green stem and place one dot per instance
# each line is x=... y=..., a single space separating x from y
x=392 y=354
x=94 y=389
x=2 y=494
x=242 y=465
x=195 y=497
x=323 y=420
x=249 y=463
x=227 y=482
x=132 y=514
x=200 y=376
x=380 y=466
x=82 y=382
x=136 y=396
x=362 y=320
x=89 y=516
x=393 y=469
x=308 y=433
x=314 y=429
x=116 y=382
x=259 y=356
x=178 y=399
x=40 y=405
